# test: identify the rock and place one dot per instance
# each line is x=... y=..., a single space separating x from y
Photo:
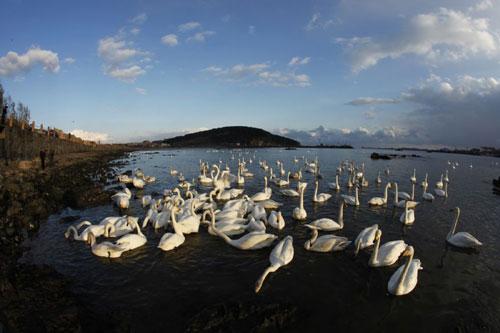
x=377 y=156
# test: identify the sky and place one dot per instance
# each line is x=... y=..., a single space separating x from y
x=361 y=72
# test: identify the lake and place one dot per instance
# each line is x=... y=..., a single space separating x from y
x=205 y=283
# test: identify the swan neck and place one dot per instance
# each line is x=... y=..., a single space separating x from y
x=374 y=257
x=341 y=215
x=260 y=281
x=457 y=216
x=402 y=277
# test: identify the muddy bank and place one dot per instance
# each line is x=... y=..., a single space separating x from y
x=36 y=298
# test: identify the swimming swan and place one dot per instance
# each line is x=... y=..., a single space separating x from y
x=326 y=243
x=405 y=278
x=386 y=254
x=327 y=224
x=281 y=255
x=461 y=239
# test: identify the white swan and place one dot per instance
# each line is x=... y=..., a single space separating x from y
x=351 y=200
x=413 y=178
x=321 y=197
x=461 y=239
x=326 y=224
x=446 y=178
x=408 y=216
x=402 y=203
x=251 y=241
x=170 y=241
x=335 y=186
x=282 y=182
x=138 y=182
x=281 y=255
x=259 y=213
x=401 y=195
x=104 y=249
x=378 y=180
x=289 y=192
x=121 y=227
x=299 y=213
x=405 y=278
x=132 y=241
x=326 y=243
x=264 y=195
x=378 y=201
x=427 y=196
x=365 y=238
x=442 y=193
x=387 y=254
x=190 y=223
x=425 y=182
x=276 y=220
x=439 y=184
x=97 y=230
x=122 y=199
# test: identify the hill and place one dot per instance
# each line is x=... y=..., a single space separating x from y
x=232 y=136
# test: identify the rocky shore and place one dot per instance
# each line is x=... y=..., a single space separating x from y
x=34 y=298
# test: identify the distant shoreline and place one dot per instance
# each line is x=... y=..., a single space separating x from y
x=483 y=151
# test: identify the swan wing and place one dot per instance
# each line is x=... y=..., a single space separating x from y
x=464 y=240
x=410 y=281
x=389 y=252
x=282 y=253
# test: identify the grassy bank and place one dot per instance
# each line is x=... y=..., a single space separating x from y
x=35 y=298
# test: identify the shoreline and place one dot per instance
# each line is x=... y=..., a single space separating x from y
x=36 y=298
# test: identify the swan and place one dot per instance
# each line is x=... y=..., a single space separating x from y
x=122 y=199
x=125 y=179
x=335 y=186
x=146 y=200
x=442 y=193
x=461 y=239
x=439 y=184
x=104 y=249
x=138 y=182
x=365 y=238
x=282 y=182
x=132 y=241
x=169 y=240
x=351 y=200
x=402 y=203
x=408 y=216
x=264 y=195
x=270 y=204
x=322 y=197
x=252 y=241
x=239 y=179
x=327 y=224
x=425 y=182
x=97 y=230
x=120 y=228
x=401 y=195
x=326 y=243
x=189 y=224
x=289 y=193
x=139 y=173
x=276 y=220
x=378 y=180
x=446 y=178
x=255 y=225
x=299 y=213
x=281 y=255
x=259 y=213
x=405 y=278
x=229 y=228
x=387 y=254
x=413 y=178
x=427 y=196
x=378 y=201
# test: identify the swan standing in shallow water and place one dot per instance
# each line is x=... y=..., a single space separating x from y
x=105 y=249
x=170 y=241
x=326 y=243
x=365 y=238
x=327 y=224
x=387 y=254
x=281 y=255
x=322 y=197
x=408 y=216
x=299 y=213
x=352 y=200
x=251 y=241
x=461 y=239
x=405 y=278
x=378 y=201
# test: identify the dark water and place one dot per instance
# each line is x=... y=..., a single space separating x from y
x=152 y=290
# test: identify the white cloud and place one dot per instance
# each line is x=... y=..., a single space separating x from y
x=139 y=19
x=481 y=6
x=170 y=40
x=297 y=61
x=91 y=136
x=126 y=74
x=135 y=31
x=447 y=34
x=201 y=36
x=260 y=74
x=119 y=56
x=188 y=26
x=317 y=23
x=141 y=91
x=251 y=29
x=13 y=63
x=372 y=101
x=69 y=60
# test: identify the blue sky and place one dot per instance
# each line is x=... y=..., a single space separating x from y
x=361 y=72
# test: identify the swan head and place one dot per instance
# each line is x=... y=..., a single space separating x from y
x=409 y=251
x=378 y=234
